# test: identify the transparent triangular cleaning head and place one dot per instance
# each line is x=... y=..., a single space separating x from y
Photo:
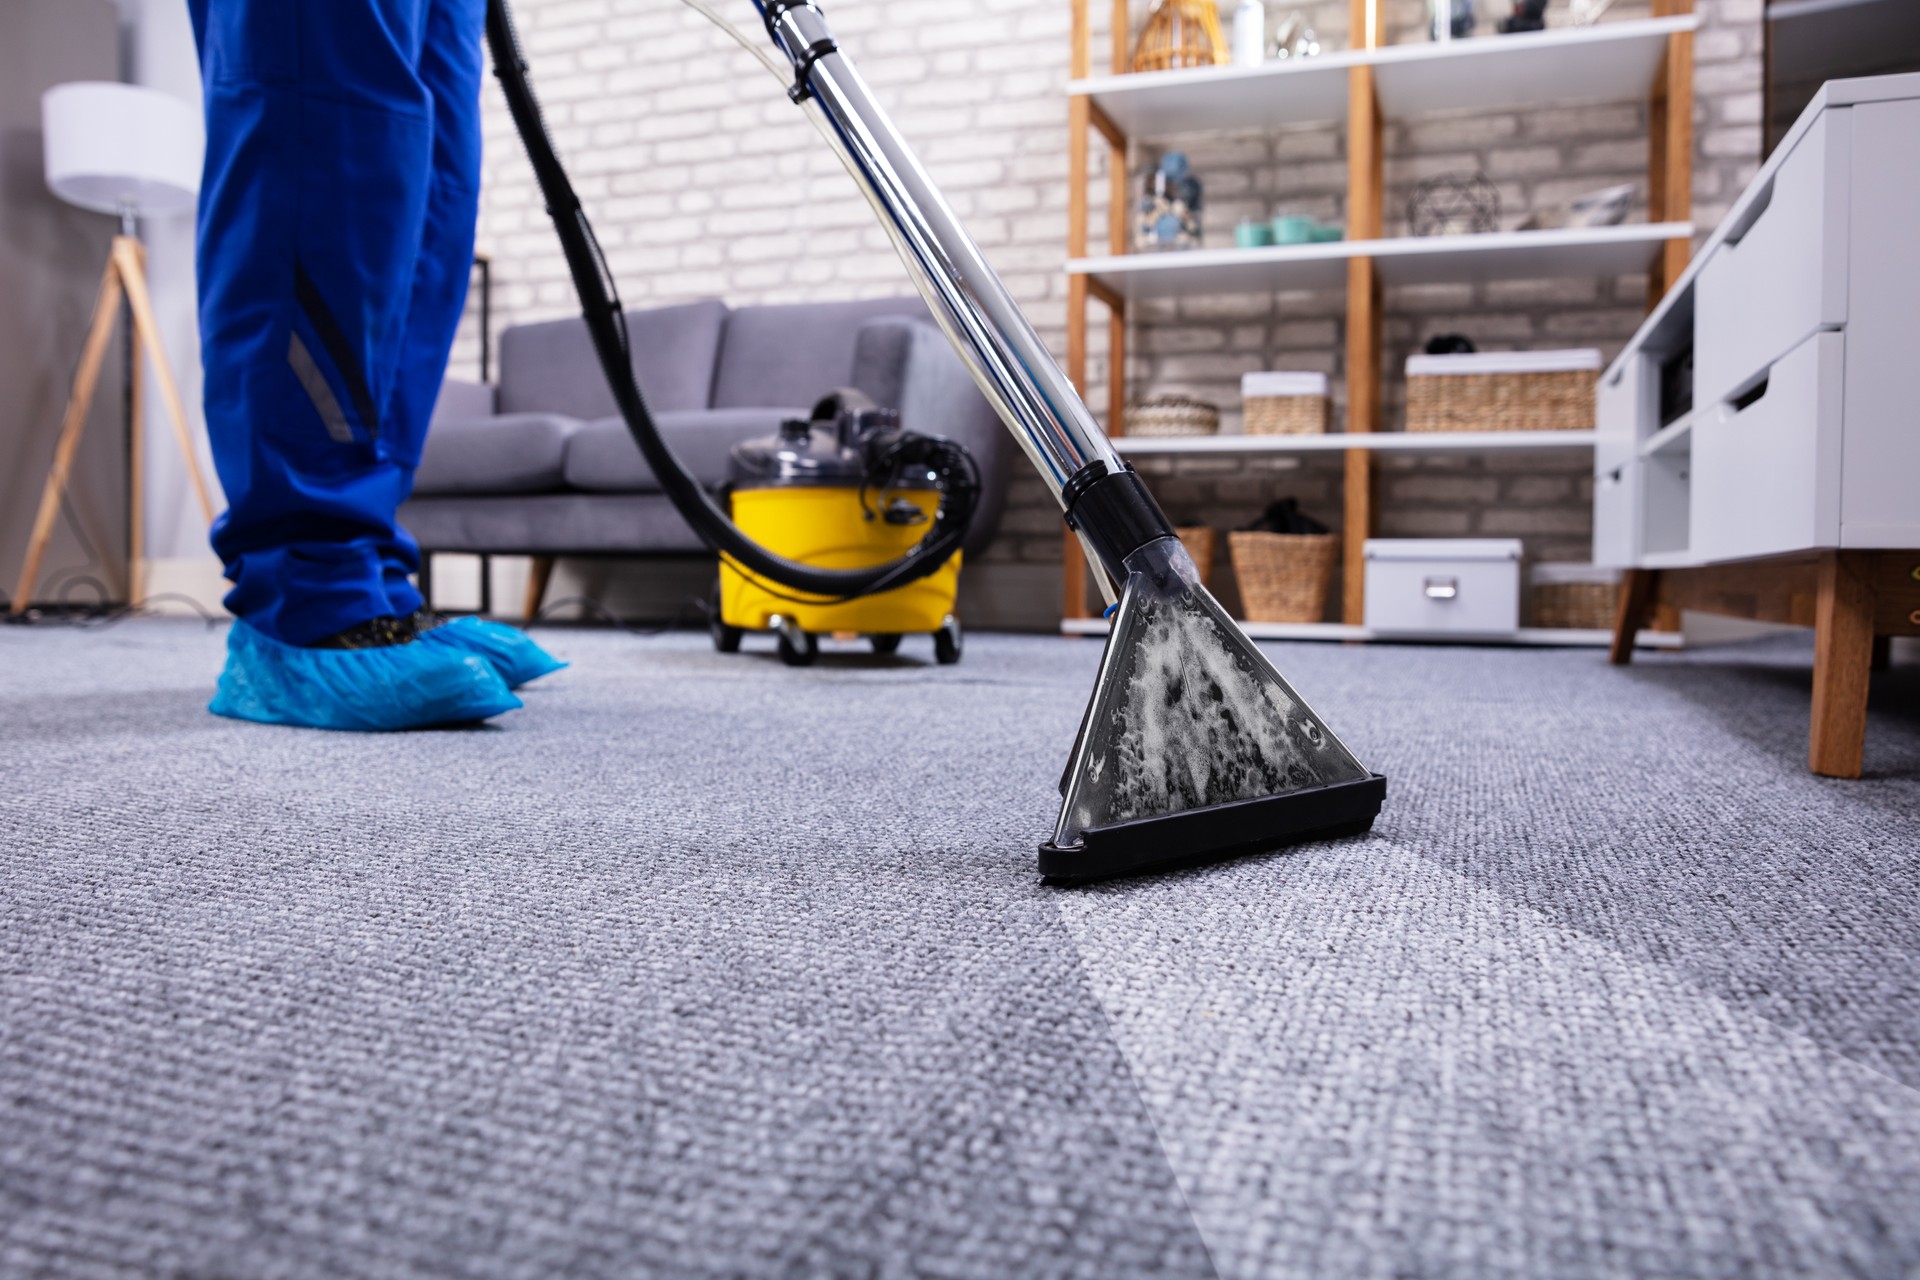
x=1193 y=745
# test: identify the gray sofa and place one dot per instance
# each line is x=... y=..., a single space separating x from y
x=540 y=464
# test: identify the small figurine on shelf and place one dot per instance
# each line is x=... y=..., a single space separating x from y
x=1528 y=15
x=1170 y=206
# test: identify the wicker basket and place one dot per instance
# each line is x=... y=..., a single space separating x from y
x=1180 y=33
x=1576 y=596
x=1583 y=606
x=1284 y=577
x=1502 y=391
x=1200 y=542
x=1172 y=416
x=1285 y=404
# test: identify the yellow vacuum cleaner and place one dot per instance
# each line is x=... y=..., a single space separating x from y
x=847 y=490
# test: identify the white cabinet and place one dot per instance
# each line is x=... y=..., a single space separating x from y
x=1800 y=317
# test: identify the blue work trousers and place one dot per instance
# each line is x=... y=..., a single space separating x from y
x=335 y=244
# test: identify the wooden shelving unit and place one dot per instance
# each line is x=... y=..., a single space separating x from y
x=1359 y=88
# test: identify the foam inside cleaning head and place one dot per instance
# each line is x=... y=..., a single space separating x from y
x=1188 y=712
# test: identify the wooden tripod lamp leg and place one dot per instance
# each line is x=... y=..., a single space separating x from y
x=130 y=258
x=105 y=310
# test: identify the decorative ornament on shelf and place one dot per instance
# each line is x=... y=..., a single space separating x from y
x=1169 y=215
x=1295 y=39
x=1250 y=33
x=1606 y=207
x=1528 y=15
x=1454 y=205
x=1180 y=33
x=1450 y=19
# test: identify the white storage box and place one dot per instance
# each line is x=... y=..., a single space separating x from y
x=1443 y=588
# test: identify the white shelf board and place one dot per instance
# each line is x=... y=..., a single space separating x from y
x=1668 y=560
x=1676 y=435
x=1378 y=441
x=1502 y=255
x=1526 y=637
x=1150 y=105
x=1495 y=72
x=1612 y=60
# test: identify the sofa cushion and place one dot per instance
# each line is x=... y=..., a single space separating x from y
x=462 y=399
x=603 y=458
x=794 y=354
x=551 y=368
x=511 y=453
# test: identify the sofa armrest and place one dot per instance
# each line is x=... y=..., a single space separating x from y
x=906 y=363
x=460 y=399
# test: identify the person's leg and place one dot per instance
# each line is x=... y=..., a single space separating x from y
x=319 y=155
x=452 y=64
x=451 y=68
x=315 y=195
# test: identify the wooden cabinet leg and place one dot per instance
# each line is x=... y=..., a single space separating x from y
x=1843 y=654
x=1637 y=592
x=539 y=574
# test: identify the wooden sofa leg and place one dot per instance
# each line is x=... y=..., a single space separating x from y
x=1843 y=655
x=1630 y=614
x=538 y=576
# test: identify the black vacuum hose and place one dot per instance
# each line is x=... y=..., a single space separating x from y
x=606 y=323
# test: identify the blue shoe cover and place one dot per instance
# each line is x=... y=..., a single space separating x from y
x=406 y=686
x=508 y=650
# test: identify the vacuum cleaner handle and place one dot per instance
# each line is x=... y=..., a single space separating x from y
x=1033 y=394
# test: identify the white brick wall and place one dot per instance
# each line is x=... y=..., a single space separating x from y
x=704 y=181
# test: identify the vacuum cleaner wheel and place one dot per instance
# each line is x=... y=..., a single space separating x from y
x=797 y=648
x=947 y=642
x=885 y=642
x=725 y=638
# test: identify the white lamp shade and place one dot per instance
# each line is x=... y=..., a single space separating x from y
x=122 y=148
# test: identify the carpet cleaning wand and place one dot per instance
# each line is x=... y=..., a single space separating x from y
x=1192 y=746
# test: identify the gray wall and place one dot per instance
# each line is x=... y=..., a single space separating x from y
x=51 y=256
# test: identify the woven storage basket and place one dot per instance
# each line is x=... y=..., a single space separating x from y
x=1284 y=577
x=1502 y=391
x=1285 y=404
x=1200 y=542
x=1579 y=596
x=1172 y=416
x=1576 y=605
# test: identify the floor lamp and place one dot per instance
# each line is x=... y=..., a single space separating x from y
x=135 y=152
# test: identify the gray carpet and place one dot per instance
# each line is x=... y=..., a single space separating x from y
x=699 y=966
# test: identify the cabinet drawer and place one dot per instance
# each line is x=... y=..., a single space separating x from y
x=1616 y=515
x=1766 y=467
x=1443 y=589
x=1784 y=275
